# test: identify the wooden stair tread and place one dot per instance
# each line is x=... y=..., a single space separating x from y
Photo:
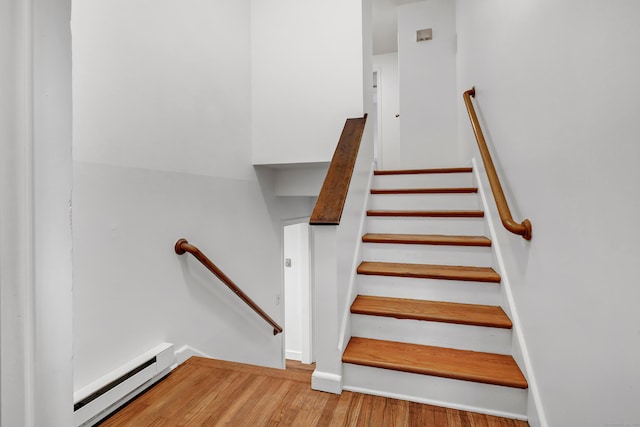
x=487 y=368
x=427 y=239
x=422 y=171
x=429 y=213
x=443 y=190
x=435 y=311
x=428 y=271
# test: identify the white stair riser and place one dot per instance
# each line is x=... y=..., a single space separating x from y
x=435 y=180
x=470 y=396
x=428 y=254
x=439 y=334
x=448 y=226
x=430 y=289
x=424 y=201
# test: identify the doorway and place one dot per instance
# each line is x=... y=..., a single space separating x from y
x=297 y=291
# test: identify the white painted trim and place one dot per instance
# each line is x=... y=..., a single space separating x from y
x=345 y=335
x=378 y=159
x=519 y=341
x=185 y=352
x=28 y=190
x=435 y=402
x=307 y=296
x=324 y=272
x=324 y=381
x=293 y=355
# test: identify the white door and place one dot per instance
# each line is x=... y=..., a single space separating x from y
x=297 y=303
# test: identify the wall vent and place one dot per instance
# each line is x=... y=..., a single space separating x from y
x=424 y=35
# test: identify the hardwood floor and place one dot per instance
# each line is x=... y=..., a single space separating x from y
x=206 y=392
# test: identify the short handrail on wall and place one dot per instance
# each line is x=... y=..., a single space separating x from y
x=183 y=246
x=524 y=228
x=330 y=203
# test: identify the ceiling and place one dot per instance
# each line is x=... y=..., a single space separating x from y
x=385 y=25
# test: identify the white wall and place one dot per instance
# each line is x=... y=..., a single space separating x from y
x=307 y=77
x=299 y=180
x=387 y=68
x=35 y=229
x=557 y=94
x=427 y=76
x=162 y=109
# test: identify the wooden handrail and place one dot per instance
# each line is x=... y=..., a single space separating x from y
x=524 y=228
x=330 y=203
x=183 y=246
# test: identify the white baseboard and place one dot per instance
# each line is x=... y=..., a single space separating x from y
x=324 y=381
x=187 y=351
x=293 y=355
x=439 y=403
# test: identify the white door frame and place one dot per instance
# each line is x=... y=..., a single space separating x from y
x=379 y=143
x=36 y=330
x=307 y=294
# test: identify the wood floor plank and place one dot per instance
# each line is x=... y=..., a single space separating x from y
x=353 y=414
x=366 y=411
x=328 y=410
x=435 y=311
x=494 y=421
x=465 y=419
x=420 y=415
x=440 y=417
x=465 y=365
x=453 y=418
x=479 y=420
x=160 y=422
x=397 y=413
x=213 y=404
x=199 y=411
x=202 y=392
x=237 y=401
x=342 y=409
x=427 y=239
x=292 y=404
x=429 y=271
x=311 y=410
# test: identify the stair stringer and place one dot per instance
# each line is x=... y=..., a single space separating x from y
x=519 y=350
x=345 y=330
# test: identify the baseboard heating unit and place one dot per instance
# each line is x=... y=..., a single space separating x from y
x=103 y=396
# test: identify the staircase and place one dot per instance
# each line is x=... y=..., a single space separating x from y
x=427 y=324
